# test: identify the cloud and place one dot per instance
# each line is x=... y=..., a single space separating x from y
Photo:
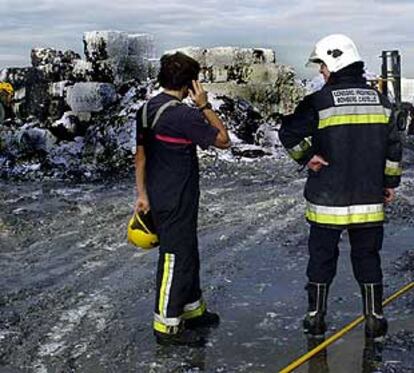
x=289 y=26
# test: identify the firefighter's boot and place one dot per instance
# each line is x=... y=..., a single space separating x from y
x=376 y=325
x=314 y=322
x=184 y=337
x=206 y=320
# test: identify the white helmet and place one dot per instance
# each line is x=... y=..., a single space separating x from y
x=336 y=51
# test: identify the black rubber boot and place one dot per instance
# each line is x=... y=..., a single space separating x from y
x=372 y=356
x=184 y=337
x=206 y=320
x=314 y=322
x=376 y=324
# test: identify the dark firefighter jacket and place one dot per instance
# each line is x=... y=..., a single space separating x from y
x=351 y=126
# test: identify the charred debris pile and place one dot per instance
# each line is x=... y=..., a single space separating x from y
x=74 y=117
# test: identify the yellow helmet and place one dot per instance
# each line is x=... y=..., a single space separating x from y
x=141 y=231
x=7 y=87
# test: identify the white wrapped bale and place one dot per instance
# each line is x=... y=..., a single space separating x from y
x=141 y=50
x=141 y=45
x=91 y=97
x=118 y=56
x=228 y=56
x=221 y=56
x=223 y=64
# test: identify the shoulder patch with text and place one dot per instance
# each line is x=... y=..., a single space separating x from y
x=355 y=96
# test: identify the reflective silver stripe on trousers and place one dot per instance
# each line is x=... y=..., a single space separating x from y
x=347 y=210
x=353 y=109
x=318 y=294
x=169 y=283
x=193 y=306
x=169 y=321
x=370 y=294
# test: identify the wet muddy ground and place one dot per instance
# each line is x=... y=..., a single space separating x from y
x=76 y=297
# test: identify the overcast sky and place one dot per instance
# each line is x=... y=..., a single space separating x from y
x=291 y=27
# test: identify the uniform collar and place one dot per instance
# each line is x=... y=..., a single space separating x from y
x=351 y=74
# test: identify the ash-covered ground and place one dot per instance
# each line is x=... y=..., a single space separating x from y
x=76 y=297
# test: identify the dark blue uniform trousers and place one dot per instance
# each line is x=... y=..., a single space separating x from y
x=366 y=244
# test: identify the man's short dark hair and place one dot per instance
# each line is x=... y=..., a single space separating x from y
x=177 y=71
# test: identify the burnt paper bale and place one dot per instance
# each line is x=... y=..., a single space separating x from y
x=43 y=56
x=16 y=76
x=107 y=50
x=96 y=71
x=56 y=65
x=106 y=72
x=223 y=64
x=58 y=93
x=37 y=95
x=104 y=45
x=83 y=71
x=91 y=97
x=141 y=45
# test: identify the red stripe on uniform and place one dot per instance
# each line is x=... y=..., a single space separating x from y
x=173 y=140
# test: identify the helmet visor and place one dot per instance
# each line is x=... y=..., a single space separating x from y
x=313 y=59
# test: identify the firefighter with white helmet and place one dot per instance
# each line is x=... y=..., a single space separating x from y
x=346 y=135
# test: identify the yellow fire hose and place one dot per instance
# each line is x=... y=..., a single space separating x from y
x=304 y=358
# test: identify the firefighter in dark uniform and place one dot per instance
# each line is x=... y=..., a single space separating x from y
x=347 y=136
x=167 y=176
